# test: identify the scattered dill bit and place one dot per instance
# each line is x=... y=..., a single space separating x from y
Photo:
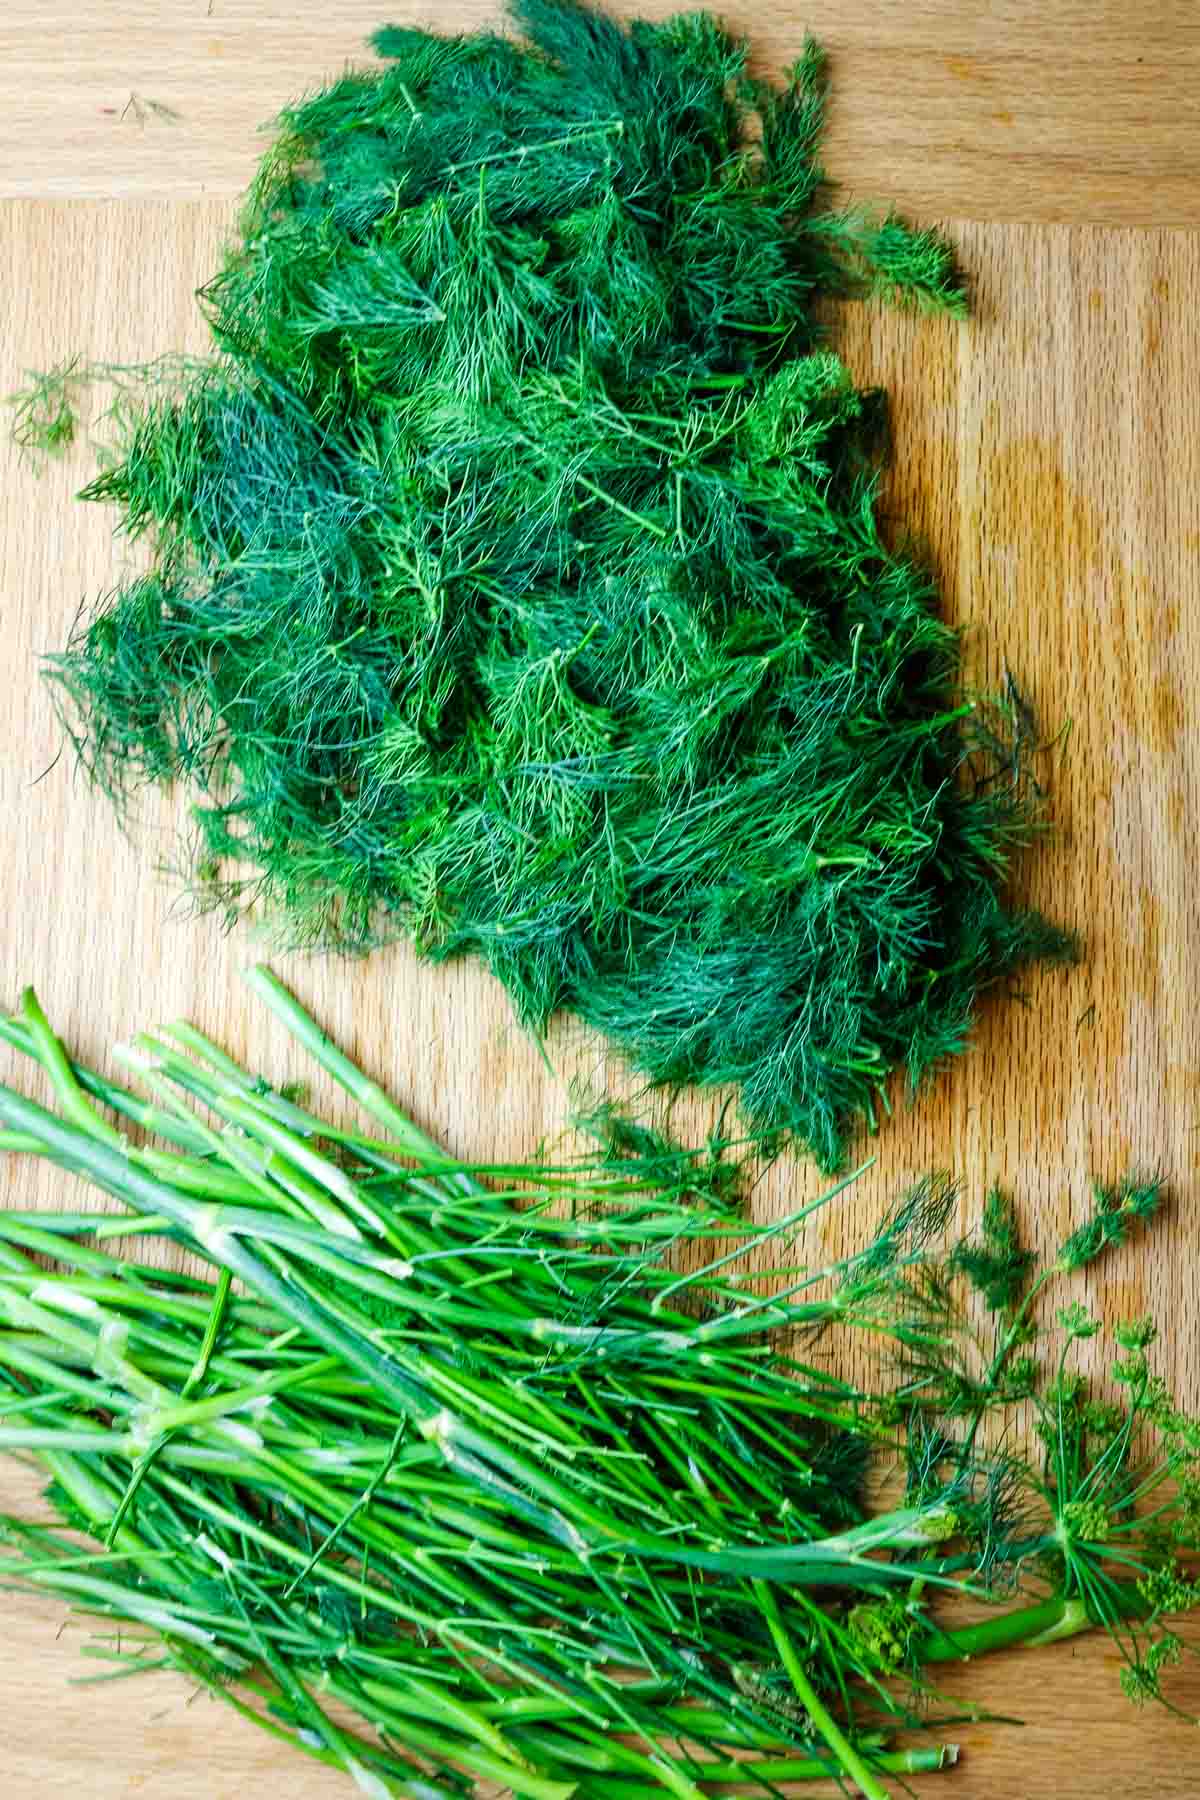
x=518 y=582
x=139 y=110
x=45 y=414
x=959 y=1376
x=46 y=411
x=1115 y=1210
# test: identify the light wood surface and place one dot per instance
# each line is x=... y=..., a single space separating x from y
x=1046 y=453
x=990 y=109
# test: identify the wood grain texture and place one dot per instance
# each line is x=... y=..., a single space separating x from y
x=1047 y=455
x=984 y=109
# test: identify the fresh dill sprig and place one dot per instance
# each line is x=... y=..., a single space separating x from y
x=1110 y=1507
x=517 y=580
x=997 y=1264
x=960 y=1375
x=1116 y=1209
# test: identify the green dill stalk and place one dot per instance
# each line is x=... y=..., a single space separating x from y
x=542 y=1538
x=847 y=1756
x=226 y=1236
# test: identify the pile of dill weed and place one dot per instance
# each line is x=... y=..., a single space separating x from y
x=517 y=583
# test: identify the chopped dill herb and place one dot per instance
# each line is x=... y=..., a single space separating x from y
x=518 y=583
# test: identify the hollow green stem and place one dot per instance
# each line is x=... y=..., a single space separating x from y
x=1045 y=1622
x=367 y=1093
x=844 y=1752
x=75 y=1103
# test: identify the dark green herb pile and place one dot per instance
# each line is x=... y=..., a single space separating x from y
x=517 y=581
x=446 y=1476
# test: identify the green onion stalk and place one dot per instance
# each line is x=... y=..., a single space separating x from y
x=458 y=1455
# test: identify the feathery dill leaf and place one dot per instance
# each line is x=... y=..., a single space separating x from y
x=996 y=1263
x=44 y=414
x=1116 y=1209
x=517 y=581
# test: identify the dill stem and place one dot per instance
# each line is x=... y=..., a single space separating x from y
x=197 y=1376
x=204 y=1179
x=54 y=1060
x=511 y=1772
x=772 y=1231
x=150 y=1119
x=847 y=1756
x=1016 y=1324
x=85 y=1438
x=1008 y=1344
x=367 y=1093
x=627 y=512
x=20 y=1143
x=567 y=141
x=1045 y=1622
x=230 y=1400
x=894 y=1762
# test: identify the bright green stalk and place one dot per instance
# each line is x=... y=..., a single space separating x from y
x=218 y=1233
x=410 y=1139
x=528 y=1487
x=1042 y=1623
x=781 y=1228
x=75 y=1104
x=843 y=1750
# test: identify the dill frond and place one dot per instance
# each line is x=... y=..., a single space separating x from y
x=996 y=1264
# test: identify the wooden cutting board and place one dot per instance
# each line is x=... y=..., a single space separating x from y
x=1047 y=453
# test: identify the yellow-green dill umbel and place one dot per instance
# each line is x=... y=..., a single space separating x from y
x=518 y=583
